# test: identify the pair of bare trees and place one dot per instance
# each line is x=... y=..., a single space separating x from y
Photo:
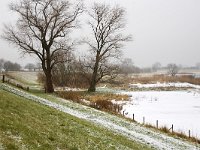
x=43 y=30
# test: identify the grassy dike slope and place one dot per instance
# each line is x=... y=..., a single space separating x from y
x=28 y=125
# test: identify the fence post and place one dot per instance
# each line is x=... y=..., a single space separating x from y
x=189 y=134
x=133 y=117
x=3 y=79
x=172 y=128
x=157 y=124
x=143 y=120
x=27 y=88
x=123 y=113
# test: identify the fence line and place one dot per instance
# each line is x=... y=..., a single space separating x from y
x=6 y=79
x=157 y=125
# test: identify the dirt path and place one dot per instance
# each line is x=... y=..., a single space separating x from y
x=133 y=131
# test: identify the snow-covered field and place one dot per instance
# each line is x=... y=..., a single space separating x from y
x=180 y=108
x=171 y=84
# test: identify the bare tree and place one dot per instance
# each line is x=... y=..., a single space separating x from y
x=9 y=66
x=172 y=69
x=30 y=66
x=127 y=67
x=43 y=30
x=198 y=65
x=62 y=70
x=106 y=23
x=1 y=63
x=156 y=66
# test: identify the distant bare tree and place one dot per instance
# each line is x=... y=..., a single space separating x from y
x=63 y=69
x=198 y=65
x=9 y=66
x=106 y=23
x=30 y=66
x=1 y=63
x=172 y=69
x=42 y=30
x=127 y=66
x=156 y=66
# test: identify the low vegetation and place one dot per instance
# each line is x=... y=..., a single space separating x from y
x=165 y=78
x=123 y=82
x=28 y=125
x=168 y=131
x=97 y=100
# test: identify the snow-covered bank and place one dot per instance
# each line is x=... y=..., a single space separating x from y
x=114 y=123
x=180 y=108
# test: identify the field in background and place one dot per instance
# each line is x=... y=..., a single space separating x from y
x=24 y=77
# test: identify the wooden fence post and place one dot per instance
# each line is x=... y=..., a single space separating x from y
x=3 y=79
x=157 y=124
x=143 y=120
x=133 y=117
x=123 y=113
x=172 y=128
x=189 y=134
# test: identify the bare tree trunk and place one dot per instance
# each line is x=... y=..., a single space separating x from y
x=93 y=81
x=47 y=70
x=92 y=87
x=49 y=82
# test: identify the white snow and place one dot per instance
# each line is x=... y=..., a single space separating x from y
x=171 y=84
x=67 y=89
x=116 y=124
x=180 y=108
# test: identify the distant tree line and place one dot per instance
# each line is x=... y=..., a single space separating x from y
x=6 y=65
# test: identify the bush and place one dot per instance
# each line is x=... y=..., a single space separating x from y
x=75 y=96
x=106 y=105
x=106 y=97
x=98 y=100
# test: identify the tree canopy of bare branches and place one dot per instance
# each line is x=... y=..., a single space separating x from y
x=106 y=23
x=43 y=30
x=172 y=69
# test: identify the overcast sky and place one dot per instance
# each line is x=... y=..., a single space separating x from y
x=165 y=31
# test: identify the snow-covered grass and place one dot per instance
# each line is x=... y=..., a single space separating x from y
x=180 y=108
x=116 y=124
x=27 y=125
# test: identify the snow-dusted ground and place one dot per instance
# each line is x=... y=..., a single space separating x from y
x=171 y=84
x=180 y=108
x=119 y=125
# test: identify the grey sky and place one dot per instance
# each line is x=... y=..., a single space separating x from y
x=163 y=30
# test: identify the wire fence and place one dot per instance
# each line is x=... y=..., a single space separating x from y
x=164 y=128
x=11 y=81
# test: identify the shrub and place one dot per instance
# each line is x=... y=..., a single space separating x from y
x=106 y=97
x=106 y=105
x=98 y=100
x=75 y=96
